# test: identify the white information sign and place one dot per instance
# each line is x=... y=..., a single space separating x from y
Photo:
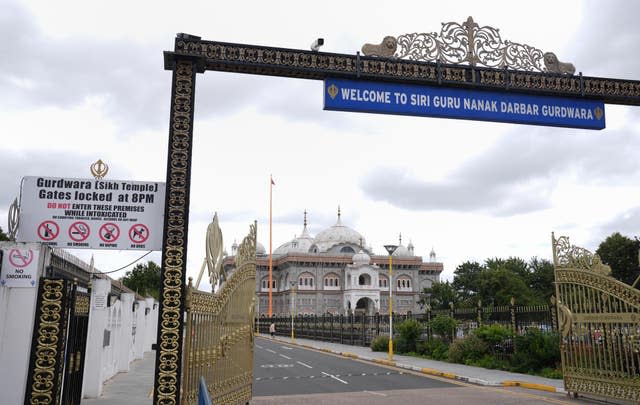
x=19 y=267
x=92 y=214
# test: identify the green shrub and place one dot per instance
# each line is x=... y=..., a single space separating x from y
x=408 y=333
x=548 y=372
x=440 y=352
x=400 y=345
x=536 y=350
x=468 y=350
x=489 y=361
x=428 y=347
x=443 y=326
x=380 y=344
x=494 y=334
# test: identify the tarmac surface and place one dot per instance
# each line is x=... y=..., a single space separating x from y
x=136 y=386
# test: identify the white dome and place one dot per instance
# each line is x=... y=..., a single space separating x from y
x=260 y=250
x=402 y=251
x=336 y=235
x=301 y=244
x=361 y=258
x=296 y=245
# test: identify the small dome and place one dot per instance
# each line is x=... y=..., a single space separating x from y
x=300 y=244
x=260 y=250
x=361 y=258
x=402 y=251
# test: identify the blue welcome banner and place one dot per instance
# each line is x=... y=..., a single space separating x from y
x=401 y=99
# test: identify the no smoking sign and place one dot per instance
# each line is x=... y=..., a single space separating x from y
x=79 y=231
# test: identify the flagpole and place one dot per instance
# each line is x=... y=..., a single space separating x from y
x=270 y=312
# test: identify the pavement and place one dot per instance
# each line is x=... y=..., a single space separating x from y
x=136 y=386
x=132 y=388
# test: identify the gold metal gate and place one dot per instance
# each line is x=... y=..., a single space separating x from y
x=219 y=326
x=599 y=322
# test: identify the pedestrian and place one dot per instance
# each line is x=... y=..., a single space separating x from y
x=272 y=329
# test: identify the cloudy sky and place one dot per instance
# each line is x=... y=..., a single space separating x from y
x=83 y=80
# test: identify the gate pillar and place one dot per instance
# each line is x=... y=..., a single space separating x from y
x=167 y=377
x=98 y=314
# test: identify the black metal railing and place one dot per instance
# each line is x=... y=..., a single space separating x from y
x=361 y=330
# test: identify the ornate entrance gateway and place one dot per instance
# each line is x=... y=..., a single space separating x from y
x=599 y=322
x=479 y=67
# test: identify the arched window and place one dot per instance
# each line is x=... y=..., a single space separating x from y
x=383 y=282
x=347 y=249
x=265 y=284
x=331 y=281
x=305 y=281
x=404 y=283
x=364 y=280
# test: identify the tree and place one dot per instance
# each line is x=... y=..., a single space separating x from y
x=515 y=265
x=3 y=236
x=439 y=295
x=621 y=253
x=499 y=285
x=541 y=279
x=144 y=279
x=466 y=282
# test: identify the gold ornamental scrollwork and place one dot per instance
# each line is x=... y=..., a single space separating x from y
x=599 y=321
x=566 y=255
x=219 y=333
x=214 y=250
x=44 y=383
x=168 y=356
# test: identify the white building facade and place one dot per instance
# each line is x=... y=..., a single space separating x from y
x=336 y=273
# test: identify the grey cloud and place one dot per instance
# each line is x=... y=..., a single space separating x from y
x=459 y=194
x=38 y=163
x=606 y=44
x=517 y=175
x=627 y=223
x=129 y=78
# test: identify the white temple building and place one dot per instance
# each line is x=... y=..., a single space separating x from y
x=335 y=272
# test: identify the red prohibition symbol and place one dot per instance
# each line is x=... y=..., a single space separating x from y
x=109 y=232
x=79 y=231
x=20 y=258
x=48 y=230
x=139 y=233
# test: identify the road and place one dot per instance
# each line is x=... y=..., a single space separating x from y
x=289 y=374
x=281 y=369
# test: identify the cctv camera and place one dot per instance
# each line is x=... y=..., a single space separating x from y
x=315 y=45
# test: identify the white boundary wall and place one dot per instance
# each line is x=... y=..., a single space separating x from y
x=118 y=334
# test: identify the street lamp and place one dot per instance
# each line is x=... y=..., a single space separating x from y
x=293 y=308
x=390 y=250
